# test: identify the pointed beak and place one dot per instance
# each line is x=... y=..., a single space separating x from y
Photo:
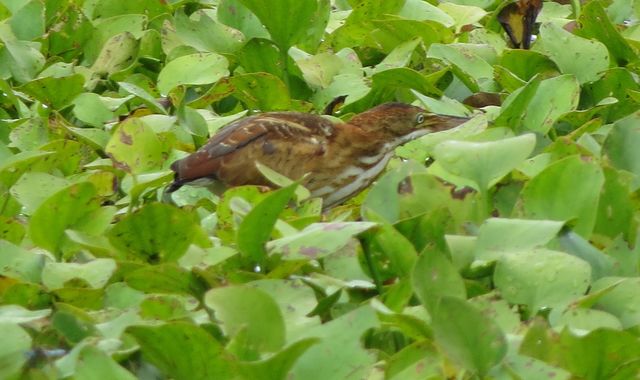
x=437 y=123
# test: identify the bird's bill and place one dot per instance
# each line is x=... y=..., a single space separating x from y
x=437 y=123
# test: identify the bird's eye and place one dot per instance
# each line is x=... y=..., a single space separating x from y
x=420 y=118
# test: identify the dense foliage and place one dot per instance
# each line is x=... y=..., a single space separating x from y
x=512 y=254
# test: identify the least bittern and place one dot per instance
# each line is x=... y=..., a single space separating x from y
x=335 y=160
x=518 y=20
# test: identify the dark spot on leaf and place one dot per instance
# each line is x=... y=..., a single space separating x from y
x=332 y=227
x=125 y=138
x=461 y=193
x=311 y=252
x=405 y=186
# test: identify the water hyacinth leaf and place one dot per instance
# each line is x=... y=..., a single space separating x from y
x=586 y=355
x=19 y=59
x=111 y=8
x=484 y=163
x=560 y=191
x=541 y=278
x=250 y=310
x=207 y=35
x=14 y=351
x=513 y=109
x=184 y=351
x=165 y=278
x=66 y=209
x=89 y=108
x=295 y=301
x=276 y=17
x=422 y=10
x=143 y=94
x=236 y=15
x=473 y=60
x=434 y=277
x=18 y=263
x=470 y=338
x=579 y=319
x=497 y=236
x=526 y=63
x=622 y=300
x=155 y=232
x=192 y=69
x=28 y=22
x=94 y=273
x=262 y=55
x=258 y=91
x=554 y=97
x=93 y=363
x=463 y=14
x=586 y=59
x=256 y=227
x=317 y=240
x=620 y=146
x=278 y=365
x=340 y=348
x=601 y=265
x=33 y=188
x=391 y=32
x=135 y=148
x=55 y=91
x=596 y=24
x=117 y=53
x=382 y=199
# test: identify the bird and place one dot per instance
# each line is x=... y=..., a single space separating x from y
x=518 y=20
x=333 y=160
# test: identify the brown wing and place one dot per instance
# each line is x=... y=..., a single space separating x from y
x=518 y=20
x=275 y=139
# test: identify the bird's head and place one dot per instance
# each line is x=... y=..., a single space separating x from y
x=404 y=122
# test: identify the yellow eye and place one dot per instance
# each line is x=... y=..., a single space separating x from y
x=420 y=118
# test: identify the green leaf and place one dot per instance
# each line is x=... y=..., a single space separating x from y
x=19 y=59
x=165 y=278
x=256 y=227
x=33 y=188
x=135 y=148
x=155 y=232
x=561 y=190
x=247 y=309
x=278 y=365
x=622 y=301
x=192 y=69
x=277 y=18
x=91 y=109
x=434 y=277
x=485 y=163
x=14 y=351
x=541 y=278
x=317 y=240
x=236 y=15
x=65 y=209
x=205 y=34
x=498 y=236
x=554 y=97
x=340 y=350
x=184 y=351
x=470 y=338
x=586 y=59
x=94 y=363
x=595 y=24
x=620 y=146
x=117 y=53
x=95 y=273
x=28 y=22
